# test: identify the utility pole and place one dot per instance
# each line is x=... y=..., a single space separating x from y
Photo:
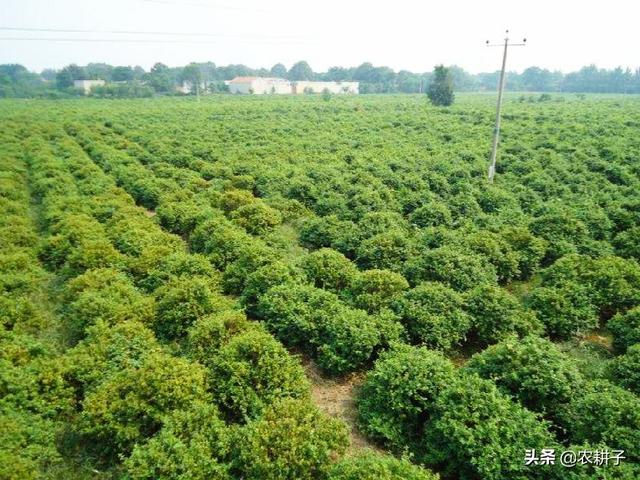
x=496 y=129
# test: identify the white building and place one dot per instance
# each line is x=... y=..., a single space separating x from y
x=259 y=85
x=268 y=85
x=87 y=85
x=320 y=87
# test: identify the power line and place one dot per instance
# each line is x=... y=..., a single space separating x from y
x=206 y=5
x=136 y=32
x=139 y=40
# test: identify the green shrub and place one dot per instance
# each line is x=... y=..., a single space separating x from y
x=604 y=413
x=397 y=395
x=28 y=448
x=131 y=405
x=109 y=349
x=220 y=241
x=498 y=252
x=341 y=338
x=251 y=258
x=182 y=216
x=385 y=251
x=477 y=432
x=529 y=249
x=432 y=214
x=565 y=311
x=329 y=231
x=257 y=218
x=532 y=369
x=329 y=270
x=373 y=290
x=259 y=281
x=627 y=243
x=452 y=266
x=208 y=334
x=369 y=466
x=495 y=314
x=193 y=444
x=250 y=372
x=181 y=302
x=233 y=199
x=625 y=328
x=433 y=315
x=291 y=441
x=107 y=295
x=173 y=264
x=625 y=369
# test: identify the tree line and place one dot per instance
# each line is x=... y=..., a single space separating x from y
x=18 y=81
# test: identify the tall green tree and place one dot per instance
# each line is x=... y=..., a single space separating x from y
x=441 y=88
x=300 y=71
x=66 y=76
x=278 y=70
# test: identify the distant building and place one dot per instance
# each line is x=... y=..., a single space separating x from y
x=188 y=87
x=331 y=87
x=269 y=85
x=87 y=85
x=259 y=85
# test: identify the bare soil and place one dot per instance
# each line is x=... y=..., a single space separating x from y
x=336 y=397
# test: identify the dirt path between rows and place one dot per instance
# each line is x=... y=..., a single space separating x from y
x=336 y=397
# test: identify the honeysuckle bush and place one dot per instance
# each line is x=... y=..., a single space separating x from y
x=369 y=466
x=531 y=369
x=625 y=369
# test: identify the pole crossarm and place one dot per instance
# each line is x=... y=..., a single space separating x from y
x=496 y=129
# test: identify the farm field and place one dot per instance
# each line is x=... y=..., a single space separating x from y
x=172 y=271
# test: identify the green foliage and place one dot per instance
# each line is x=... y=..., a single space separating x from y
x=626 y=329
x=107 y=350
x=374 y=290
x=529 y=249
x=625 y=369
x=108 y=295
x=257 y=218
x=259 y=281
x=250 y=372
x=342 y=338
x=131 y=405
x=193 y=444
x=208 y=334
x=329 y=270
x=397 y=396
x=458 y=269
x=386 y=251
x=291 y=441
x=369 y=466
x=495 y=314
x=565 y=311
x=472 y=425
x=432 y=214
x=440 y=91
x=604 y=413
x=627 y=243
x=182 y=301
x=532 y=369
x=434 y=316
x=28 y=447
x=220 y=241
x=97 y=193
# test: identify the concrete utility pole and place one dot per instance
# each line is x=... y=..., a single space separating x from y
x=496 y=129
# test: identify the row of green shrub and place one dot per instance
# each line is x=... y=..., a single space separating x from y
x=166 y=376
x=478 y=421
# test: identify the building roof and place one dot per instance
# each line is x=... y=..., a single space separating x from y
x=251 y=79
x=243 y=79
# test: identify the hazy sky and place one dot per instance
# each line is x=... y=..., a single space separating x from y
x=402 y=34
